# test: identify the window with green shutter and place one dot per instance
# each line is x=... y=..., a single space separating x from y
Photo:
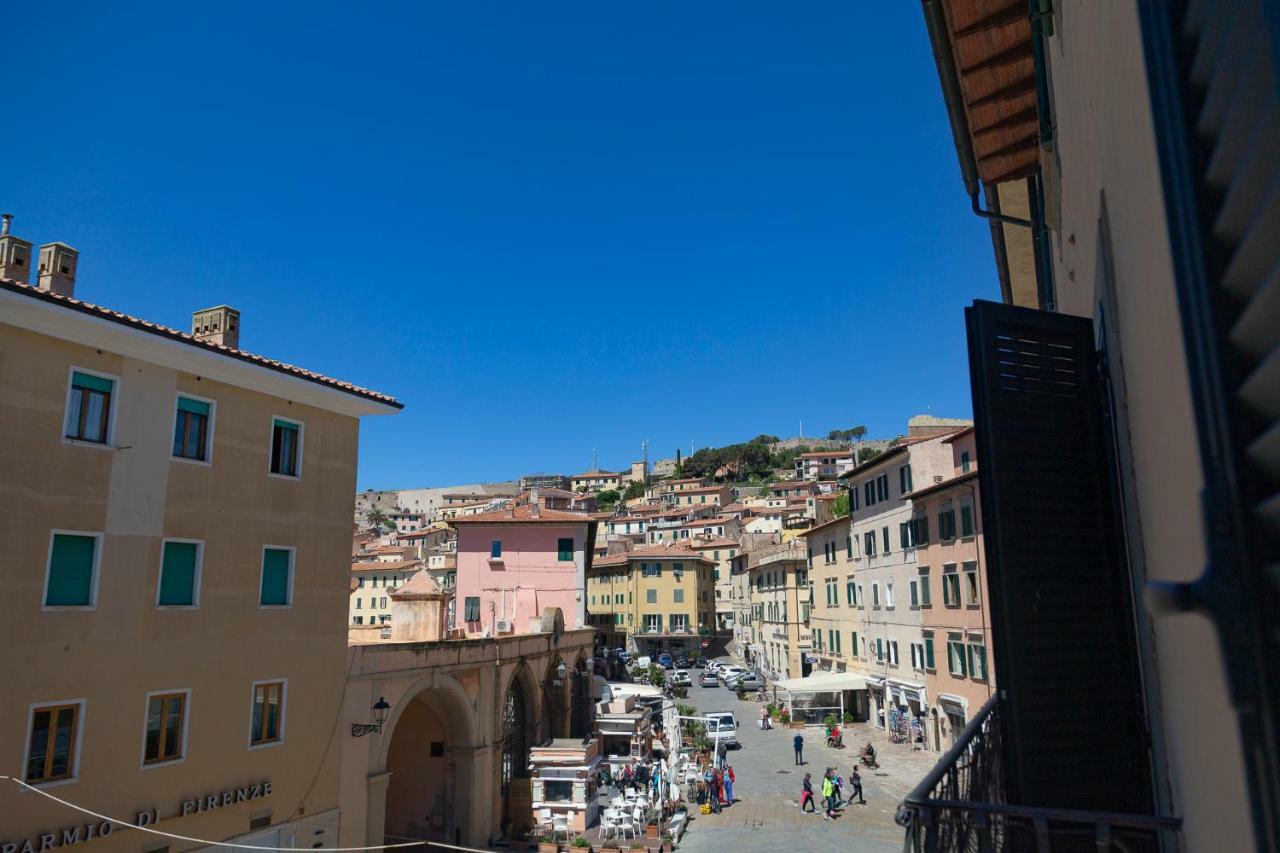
x=978 y=662
x=286 y=448
x=956 y=658
x=89 y=408
x=471 y=609
x=564 y=549
x=178 y=574
x=276 y=569
x=72 y=560
x=966 y=521
x=191 y=429
x=928 y=652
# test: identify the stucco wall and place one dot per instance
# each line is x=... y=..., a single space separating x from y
x=116 y=653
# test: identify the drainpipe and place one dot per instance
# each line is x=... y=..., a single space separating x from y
x=936 y=23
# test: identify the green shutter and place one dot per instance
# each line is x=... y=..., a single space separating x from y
x=195 y=407
x=178 y=574
x=565 y=548
x=71 y=571
x=928 y=653
x=275 y=577
x=93 y=383
x=286 y=425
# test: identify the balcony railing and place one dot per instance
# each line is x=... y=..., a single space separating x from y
x=960 y=806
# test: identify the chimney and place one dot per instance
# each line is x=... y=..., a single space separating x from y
x=218 y=325
x=57 y=272
x=533 y=503
x=15 y=253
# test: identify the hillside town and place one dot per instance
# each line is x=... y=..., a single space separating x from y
x=1044 y=624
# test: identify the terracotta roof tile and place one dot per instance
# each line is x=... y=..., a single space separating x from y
x=523 y=514
x=186 y=338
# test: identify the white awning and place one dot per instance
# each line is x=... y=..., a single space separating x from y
x=825 y=682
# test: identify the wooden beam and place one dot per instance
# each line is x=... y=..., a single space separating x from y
x=1031 y=141
x=1018 y=53
x=1015 y=11
x=1030 y=114
x=1024 y=86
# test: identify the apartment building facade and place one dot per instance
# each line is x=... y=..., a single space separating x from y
x=597 y=481
x=885 y=534
x=720 y=551
x=837 y=616
x=778 y=590
x=169 y=499
x=373 y=582
x=823 y=464
x=661 y=597
x=955 y=644
x=514 y=563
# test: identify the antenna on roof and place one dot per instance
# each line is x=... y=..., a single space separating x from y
x=595 y=461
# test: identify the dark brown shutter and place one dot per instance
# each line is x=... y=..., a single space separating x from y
x=1065 y=654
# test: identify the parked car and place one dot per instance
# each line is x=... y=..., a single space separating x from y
x=698 y=663
x=708 y=679
x=681 y=677
x=665 y=661
x=724 y=673
x=749 y=681
x=682 y=662
x=722 y=727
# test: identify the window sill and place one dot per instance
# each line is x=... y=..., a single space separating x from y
x=80 y=442
x=496 y=561
x=294 y=478
x=44 y=786
x=177 y=607
x=55 y=608
x=201 y=463
x=275 y=606
x=268 y=745
x=152 y=765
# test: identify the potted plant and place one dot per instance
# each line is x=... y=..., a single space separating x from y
x=636 y=845
x=668 y=843
x=651 y=830
x=548 y=844
x=581 y=843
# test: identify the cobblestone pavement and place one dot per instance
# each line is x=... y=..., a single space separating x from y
x=766 y=814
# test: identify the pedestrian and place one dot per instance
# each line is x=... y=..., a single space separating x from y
x=806 y=794
x=729 y=779
x=839 y=783
x=798 y=741
x=828 y=795
x=717 y=790
x=855 y=786
x=764 y=718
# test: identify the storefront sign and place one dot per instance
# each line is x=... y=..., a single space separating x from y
x=101 y=829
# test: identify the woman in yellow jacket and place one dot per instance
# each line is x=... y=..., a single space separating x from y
x=828 y=794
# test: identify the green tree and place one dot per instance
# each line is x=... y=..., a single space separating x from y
x=765 y=438
x=377 y=518
x=635 y=489
x=840 y=506
x=679 y=472
x=606 y=500
x=867 y=453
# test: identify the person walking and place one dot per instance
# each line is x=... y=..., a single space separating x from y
x=828 y=794
x=798 y=742
x=764 y=718
x=729 y=779
x=806 y=794
x=855 y=786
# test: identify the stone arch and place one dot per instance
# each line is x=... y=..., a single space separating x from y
x=517 y=732
x=428 y=751
x=555 y=699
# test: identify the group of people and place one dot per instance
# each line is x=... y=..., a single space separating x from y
x=718 y=786
x=832 y=789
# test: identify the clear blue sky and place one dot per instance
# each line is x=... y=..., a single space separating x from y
x=545 y=227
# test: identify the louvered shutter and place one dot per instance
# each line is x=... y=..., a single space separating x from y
x=1214 y=77
x=1061 y=610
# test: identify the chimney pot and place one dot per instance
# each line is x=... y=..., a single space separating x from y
x=218 y=325
x=5 y=220
x=57 y=272
x=15 y=253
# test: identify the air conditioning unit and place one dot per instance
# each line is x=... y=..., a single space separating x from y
x=504 y=626
x=386 y=632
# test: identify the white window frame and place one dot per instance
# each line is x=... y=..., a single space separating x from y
x=284 y=712
x=97 y=572
x=293 y=573
x=972 y=594
x=186 y=727
x=302 y=443
x=208 y=442
x=888 y=595
x=83 y=704
x=109 y=444
x=195 y=581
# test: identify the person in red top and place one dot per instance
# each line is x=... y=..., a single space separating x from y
x=729 y=779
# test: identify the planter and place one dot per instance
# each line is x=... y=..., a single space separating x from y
x=650 y=831
x=544 y=847
x=796 y=726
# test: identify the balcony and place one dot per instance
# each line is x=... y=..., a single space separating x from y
x=960 y=806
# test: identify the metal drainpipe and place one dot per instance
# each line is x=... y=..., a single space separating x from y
x=936 y=23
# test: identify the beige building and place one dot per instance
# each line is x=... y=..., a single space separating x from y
x=176 y=525
x=660 y=597
x=721 y=552
x=597 y=481
x=372 y=583
x=778 y=586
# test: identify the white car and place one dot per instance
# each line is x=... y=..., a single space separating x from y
x=722 y=727
x=681 y=677
x=724 y=673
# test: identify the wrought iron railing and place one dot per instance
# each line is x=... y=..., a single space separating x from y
x=960 y=806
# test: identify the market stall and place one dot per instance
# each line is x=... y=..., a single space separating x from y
x=810 y=700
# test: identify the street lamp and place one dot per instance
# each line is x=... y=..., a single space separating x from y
x=380 y=710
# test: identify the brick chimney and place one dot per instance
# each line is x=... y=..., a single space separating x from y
x=533 y=503
x=219 y=325
x=57 y=271
x=15 y=253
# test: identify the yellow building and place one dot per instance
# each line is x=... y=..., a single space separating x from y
x=177 y=518
x=778 y=588
x=656 y=598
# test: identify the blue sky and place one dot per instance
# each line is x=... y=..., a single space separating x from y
x=546 y=227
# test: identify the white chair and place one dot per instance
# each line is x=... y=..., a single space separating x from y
x=608 y=823
x=618 y=802
x=559 y=824
x=626 y=826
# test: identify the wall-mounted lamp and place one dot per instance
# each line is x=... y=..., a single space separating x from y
x=380 y=710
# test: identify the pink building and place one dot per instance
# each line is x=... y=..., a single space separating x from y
x=956 y=627
x=514 y=563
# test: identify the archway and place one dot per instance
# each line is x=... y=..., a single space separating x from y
x=429 y=740
x=555 y=719
x=517 y=733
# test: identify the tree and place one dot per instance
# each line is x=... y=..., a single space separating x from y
x=377 y=518
x=858 y=432
x=606 y=500
x=765 y=438
x=867 y=453
x=847 y=434
x=679 y=472
x=635 y=489
x=840 y=506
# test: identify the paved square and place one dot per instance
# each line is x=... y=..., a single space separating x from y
x=767 y=813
